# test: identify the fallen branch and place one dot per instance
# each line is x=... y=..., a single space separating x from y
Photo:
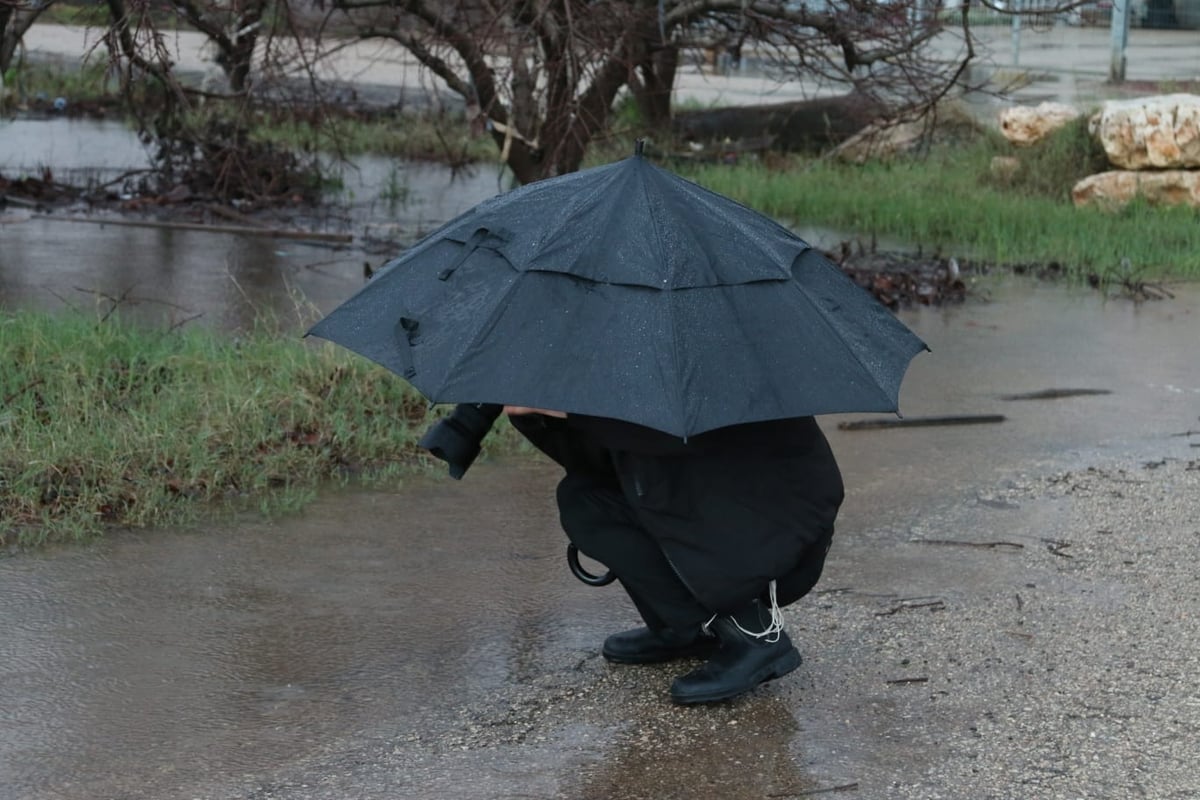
x=961 y=543
x=932 y=605
x=23 y=389
x=18 y=201
x=901 y=681
x=1054 y=394
x=1056 y=548
x=236 y=230
x=920 y=422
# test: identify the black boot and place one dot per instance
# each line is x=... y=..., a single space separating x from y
x=644 y=646
x=743 y=661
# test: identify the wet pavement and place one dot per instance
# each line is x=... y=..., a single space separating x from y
x=1008 y=612
x=1077 y=59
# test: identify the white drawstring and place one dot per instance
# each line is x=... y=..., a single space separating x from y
x=773 y=631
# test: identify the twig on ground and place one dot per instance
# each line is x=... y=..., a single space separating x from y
x=1057 y=547
x=905 y=605
x=960 y=543
x=20 y=390
x=919 y=422
x=1054 y=394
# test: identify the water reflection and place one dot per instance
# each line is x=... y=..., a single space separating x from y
x=228 y=280
x=747 y=745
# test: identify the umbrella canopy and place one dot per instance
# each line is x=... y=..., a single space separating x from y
x=628 y=292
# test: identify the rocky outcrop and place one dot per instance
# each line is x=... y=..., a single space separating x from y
x=1155 y=143
x=1115 y=189
x=1004 y=168
x=1161 y=132
x=879 y=142
x=1026 y=125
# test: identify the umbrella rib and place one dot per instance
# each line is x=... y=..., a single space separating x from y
x=670 y=314
x=837 y=337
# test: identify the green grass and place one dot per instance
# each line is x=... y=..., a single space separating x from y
x=88 y=14
x=105 y=424
x=85 y=82
x=949 y=201
x=440 y=137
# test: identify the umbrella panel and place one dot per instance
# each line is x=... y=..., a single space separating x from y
x=681 y=361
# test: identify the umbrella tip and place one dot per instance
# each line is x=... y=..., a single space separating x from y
x=639 y=147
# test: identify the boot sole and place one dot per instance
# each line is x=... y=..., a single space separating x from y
x=781 y=666
x=662 y=656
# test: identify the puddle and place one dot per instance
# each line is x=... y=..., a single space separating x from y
x=227 y=281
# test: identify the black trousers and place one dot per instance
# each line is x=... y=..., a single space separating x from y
x=602 y=524
x=600 y=521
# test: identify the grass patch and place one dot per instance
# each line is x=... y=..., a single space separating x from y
x=86 y=14
x=428 y=136
x=949 y=201
x=85 y=82
x=105 y=424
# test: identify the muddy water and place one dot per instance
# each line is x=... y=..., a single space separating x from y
x=427 y=641
x=227 y=281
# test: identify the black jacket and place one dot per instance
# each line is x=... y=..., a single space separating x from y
x=732 y=509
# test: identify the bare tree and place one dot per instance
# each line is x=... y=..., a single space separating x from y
x=202 y=156
x=545 y=73
x=233 y=29
x=15 y=18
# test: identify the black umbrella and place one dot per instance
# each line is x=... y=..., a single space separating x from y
x=625 y=291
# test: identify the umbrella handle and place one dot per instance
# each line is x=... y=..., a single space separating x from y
x=579 y=572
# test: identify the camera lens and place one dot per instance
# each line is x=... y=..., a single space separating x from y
x=457 y=438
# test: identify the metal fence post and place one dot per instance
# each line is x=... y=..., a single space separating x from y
x=1120 y=40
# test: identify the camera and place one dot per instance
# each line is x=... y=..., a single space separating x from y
x=457 y=438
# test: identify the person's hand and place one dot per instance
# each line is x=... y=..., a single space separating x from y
x=517 y=411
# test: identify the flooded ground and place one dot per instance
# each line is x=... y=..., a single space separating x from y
x=1008 y=612
x=224 y=280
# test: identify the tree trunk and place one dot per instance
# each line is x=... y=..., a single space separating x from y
x=656 y=80
x=13 y=24
x=239 y=63
x=523 y=160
